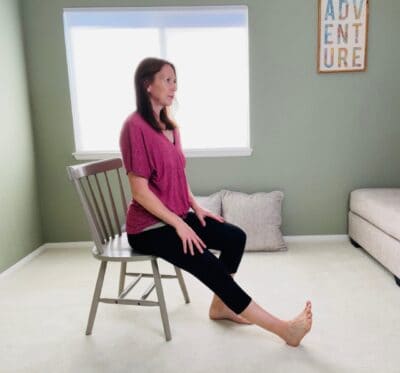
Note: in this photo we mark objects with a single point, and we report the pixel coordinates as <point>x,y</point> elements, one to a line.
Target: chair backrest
<point>100,198</point>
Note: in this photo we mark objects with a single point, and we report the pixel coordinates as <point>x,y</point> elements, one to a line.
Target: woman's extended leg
<point>231,240</point>
<point>291,331</point>
<point>165,243</point>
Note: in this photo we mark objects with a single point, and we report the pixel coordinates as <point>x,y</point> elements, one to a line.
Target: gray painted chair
<point>105,208</point>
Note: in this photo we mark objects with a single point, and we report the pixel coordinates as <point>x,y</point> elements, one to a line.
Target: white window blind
<point>207,45</point>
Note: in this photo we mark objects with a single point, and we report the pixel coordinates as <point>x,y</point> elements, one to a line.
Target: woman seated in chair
<point>159,220</point>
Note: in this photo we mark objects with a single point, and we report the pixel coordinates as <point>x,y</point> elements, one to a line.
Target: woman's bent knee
<point>239,238</point>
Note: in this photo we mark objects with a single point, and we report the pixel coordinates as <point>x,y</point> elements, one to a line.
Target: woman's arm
<point>142,194</point>
<point>200,212</point>
<point>193,203</point>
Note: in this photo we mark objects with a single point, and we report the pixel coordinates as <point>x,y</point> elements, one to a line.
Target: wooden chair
<point>94,183</point>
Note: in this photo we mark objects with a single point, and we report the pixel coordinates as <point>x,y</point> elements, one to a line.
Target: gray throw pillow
<point>259,215</point>
<point>211,202</point>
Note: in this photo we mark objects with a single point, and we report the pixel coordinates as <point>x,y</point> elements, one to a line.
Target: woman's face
<point>162,89</point>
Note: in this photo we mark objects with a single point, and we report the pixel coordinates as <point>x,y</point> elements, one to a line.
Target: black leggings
<point>212,271</point>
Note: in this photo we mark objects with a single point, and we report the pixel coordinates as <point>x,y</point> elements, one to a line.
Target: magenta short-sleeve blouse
<point>149,154</point>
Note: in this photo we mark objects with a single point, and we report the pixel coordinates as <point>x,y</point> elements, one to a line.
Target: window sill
<point>216,153</point>
<point>192,153</point>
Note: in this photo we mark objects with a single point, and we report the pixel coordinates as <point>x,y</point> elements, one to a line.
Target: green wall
<point>20,229</point>
<point>314,136</point>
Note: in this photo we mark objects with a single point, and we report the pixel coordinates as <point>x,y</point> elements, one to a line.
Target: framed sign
<point>342,35</point>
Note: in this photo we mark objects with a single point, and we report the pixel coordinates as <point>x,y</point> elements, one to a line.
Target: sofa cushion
<point>379,206</point>
<point>211,203</point>
<point>259,215</point>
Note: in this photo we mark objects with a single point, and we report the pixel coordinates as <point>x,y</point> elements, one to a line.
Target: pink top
<point>149,154</point>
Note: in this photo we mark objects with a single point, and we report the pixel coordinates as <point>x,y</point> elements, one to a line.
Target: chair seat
<point>119,250</point>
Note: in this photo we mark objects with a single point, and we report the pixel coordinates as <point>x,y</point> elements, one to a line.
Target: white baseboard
<point>22,261</point>
<point>69,245</point>
<point>300,238</point>
<point>314,238</point>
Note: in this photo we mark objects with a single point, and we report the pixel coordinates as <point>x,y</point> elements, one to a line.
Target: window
<point>207,45</point>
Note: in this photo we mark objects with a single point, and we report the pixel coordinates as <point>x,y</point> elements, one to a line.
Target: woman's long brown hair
<point>144,76</point>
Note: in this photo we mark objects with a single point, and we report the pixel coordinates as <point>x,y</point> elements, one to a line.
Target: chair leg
<point>96,297</point>
<point>182,284</point>
<point>122,278</point>
<point>161,300</point>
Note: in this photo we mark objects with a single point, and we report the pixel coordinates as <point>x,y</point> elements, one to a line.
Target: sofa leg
<point>397,280</point>
<point>354,243</point>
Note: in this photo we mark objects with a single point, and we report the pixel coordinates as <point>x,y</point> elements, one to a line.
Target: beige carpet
<point>44,308</point>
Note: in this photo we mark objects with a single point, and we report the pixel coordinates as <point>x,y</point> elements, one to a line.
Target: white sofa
<point>374,224</point>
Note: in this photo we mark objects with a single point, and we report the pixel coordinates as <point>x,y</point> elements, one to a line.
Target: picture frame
<point>342,35</point>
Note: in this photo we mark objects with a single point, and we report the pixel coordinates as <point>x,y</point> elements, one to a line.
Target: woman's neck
<point>157,116</point>
<point>156,108</point>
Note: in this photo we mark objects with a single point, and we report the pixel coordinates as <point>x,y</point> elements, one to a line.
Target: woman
<point>159,221</point>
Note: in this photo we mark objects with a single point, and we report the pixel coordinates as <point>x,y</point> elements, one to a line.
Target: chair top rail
<point>91,168</point>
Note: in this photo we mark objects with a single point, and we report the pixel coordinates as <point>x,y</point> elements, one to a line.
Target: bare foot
<point>299,326</point>
<point>224,313</point>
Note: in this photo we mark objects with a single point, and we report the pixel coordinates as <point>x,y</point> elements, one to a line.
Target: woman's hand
<point>203,213</point>
<point>190,239</point>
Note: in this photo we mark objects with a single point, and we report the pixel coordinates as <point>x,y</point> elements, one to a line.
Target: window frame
<point>189,153</point>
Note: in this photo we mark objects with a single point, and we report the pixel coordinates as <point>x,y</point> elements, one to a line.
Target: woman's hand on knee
<point>190,240</point>
<point>203,213</point>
